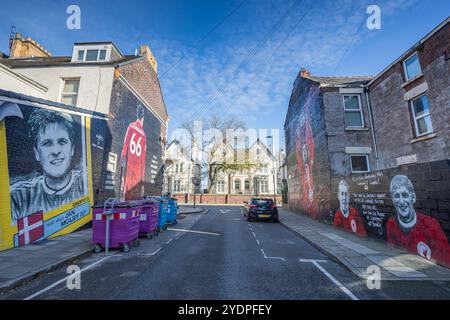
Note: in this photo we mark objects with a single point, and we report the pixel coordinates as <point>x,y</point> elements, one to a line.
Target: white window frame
<point>264,185</point>
<point>71,94</point>
<point>416,118</point>
<point>353,111</point>
<point>405,70</point>
<point>237,189</point>
<point>108,48</point>
<point>220,186</point>
<point>367,160</point>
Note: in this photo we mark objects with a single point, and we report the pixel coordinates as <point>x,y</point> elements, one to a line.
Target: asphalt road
<point>220,255</point>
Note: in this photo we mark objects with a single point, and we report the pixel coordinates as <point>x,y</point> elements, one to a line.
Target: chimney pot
<point>304,73</point>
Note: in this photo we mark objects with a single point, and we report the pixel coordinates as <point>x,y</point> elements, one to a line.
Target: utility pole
<point>273,169</point>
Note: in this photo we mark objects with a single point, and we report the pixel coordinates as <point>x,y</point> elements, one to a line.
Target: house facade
<point>371,154</point>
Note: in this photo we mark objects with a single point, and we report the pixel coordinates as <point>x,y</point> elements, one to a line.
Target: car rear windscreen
<point>263,202</point>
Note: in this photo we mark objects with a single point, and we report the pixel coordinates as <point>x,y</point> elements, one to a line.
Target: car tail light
<point>252,206</point>
<point>273,206</point>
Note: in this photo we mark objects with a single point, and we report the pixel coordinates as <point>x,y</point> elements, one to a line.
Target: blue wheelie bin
<point>172,211</point>
<point>162,214</point>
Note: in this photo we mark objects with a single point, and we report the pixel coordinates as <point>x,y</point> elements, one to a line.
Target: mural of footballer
<point>347,217</point>
<point>133,159</point>
<point>412,230</point>
<point>304,147</point>
<point>52,135</point>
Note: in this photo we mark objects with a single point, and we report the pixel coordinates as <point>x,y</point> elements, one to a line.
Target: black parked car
<point>261,209</point>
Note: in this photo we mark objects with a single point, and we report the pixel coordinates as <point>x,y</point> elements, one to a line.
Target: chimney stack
<point>22,47</point>
<point>144,50</point>
<point>304,73</point>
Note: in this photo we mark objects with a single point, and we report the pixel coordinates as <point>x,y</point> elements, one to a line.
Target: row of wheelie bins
<point>123,222</point>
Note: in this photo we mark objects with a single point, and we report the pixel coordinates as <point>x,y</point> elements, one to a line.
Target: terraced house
<point>372,154</point>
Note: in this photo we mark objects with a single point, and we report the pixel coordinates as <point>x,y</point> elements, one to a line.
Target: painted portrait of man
<point>415,231</point>
<point>59,182</point>
<point>133,158</point>
<point>348,217</point>
<point>304,148</point>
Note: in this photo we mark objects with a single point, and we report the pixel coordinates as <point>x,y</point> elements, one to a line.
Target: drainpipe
<point>374,139</point>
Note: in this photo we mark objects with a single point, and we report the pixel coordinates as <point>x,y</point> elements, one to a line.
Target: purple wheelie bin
<point>123,225</point>
<point>148,226</point>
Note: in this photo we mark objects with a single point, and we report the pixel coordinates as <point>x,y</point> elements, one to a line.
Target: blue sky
<point>236,57</point>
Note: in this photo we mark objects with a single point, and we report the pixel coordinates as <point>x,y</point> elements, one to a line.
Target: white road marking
<point>224,211</point>
<point>65,279</point>
<point>254,234</point>
<point>192,231</point>
<point>150,254</point>
<point>258,242</point>
<point>329,276</point>
<point>274,258</point>
<point>170,240</point>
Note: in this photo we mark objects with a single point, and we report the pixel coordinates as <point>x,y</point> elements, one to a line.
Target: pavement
<point>23,264</point>
<point>220,255</point>
<point>358,254</point>
<point>186,209</point>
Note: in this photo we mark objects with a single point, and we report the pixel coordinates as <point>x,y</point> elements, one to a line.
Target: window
<point>102,55</point>
<point>221,186</point>
<point>177,168</point>
<point>353,111</point>
<point>177,186</point>
<point>421,115</point>
<point>412,67</point>
<point>264,186</point>
<point>181,167</point>
<point>92,55</point>
<point>247,185</point>
<point>359,163</point>
<point>237,185</point>
<point>70,91</point>
<point>80,55</point>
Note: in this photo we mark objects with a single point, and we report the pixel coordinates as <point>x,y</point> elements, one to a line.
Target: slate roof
<point>57,61</point>
<point>341,81</point>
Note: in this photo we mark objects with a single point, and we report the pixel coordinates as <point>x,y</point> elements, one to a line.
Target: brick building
<point>109,111</point>
<point>354,142</point>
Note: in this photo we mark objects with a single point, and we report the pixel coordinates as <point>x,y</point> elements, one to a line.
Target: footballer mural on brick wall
<point>133,158</point>
<point>413,230</point>
<point>48,174</point>
<point>133,147</point>
<point>305,150</point>
<point>348,217</point>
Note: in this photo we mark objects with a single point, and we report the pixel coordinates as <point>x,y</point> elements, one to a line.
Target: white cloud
<point>233,78</point>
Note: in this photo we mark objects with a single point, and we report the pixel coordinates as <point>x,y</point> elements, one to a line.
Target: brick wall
<point>218,199</point>
<point>392,113</point>
<point>300,117</point>
<point>123,112</point>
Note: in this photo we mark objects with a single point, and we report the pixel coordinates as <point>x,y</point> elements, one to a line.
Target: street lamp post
<point>273,169</point>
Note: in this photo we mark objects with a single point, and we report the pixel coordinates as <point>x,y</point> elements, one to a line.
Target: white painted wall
<point>12,81</point>
<point>95,83</point>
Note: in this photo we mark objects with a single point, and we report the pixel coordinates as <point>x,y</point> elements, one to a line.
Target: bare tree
<point>218,154</point>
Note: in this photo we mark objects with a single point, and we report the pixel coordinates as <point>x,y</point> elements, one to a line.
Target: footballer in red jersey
<point>412,230</point>
<point>133,159</point>
<point>304,147</point>
<point>347,217</point>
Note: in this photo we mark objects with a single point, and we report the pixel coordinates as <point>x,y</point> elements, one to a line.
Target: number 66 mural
<point>133,158</point>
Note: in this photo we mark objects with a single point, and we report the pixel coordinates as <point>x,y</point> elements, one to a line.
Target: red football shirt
<point>133,161</point>
<point>426,238</point>
<point>353,223</point>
